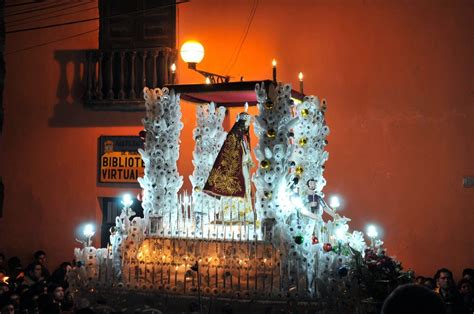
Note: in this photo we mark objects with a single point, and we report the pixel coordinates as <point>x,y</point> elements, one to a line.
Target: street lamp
<point>372,234</point>
<point>334,202</point>
<point>192,52</point>
<point>89,233</point>
<point>127,200</point>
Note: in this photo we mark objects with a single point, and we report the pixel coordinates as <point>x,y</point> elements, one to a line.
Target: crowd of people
<point>439,294</point>
<point>33,289</point>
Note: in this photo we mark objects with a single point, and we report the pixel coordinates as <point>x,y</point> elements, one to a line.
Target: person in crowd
<point>15,300</point>
<point>419,280</point>
<point>15,270</point>
<point>446,289</point>
<point>59,276</point>
<point>55,299</point>
<point>466,291</point>
<point>40,295</point>
<point>468,273</point>
<point>40,257</point>
<point>413,299</point>
<point>429,283</point>
<point>27,299</point>
<point>34,274</point>
<point>4,288</point>
<point>7,308</point>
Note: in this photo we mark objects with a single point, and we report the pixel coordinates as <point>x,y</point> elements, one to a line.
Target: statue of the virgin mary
<point>229,179</point>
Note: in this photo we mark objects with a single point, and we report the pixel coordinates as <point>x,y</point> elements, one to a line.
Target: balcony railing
<point>115,78</point>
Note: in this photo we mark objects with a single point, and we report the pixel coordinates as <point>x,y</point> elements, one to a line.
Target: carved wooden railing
<point>115,78</point>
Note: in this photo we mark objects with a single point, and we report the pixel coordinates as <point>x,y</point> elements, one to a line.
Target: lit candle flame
<point>300,76</point>
<point>208,80</point>
<point>274,63</point>
<point>173,68</point>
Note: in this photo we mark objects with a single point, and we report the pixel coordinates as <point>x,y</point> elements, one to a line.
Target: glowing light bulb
<point>334,202</point>
<point>372,231</point>
<point>89,230</point>
<point>173,68</point>
<point>127,200</point>
<point>192,51</point>
<point>208,80</point>
<point>300,76</point>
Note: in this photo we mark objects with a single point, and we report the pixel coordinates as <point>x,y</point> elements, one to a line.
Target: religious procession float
<point>269,235</point>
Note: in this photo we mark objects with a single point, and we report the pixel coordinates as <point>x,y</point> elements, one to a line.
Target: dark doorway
<point>111,208</point>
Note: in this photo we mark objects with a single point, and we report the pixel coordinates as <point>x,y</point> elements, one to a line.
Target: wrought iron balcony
<point>115,78</point>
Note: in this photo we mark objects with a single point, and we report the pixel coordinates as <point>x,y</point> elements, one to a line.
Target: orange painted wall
<point>398,77</point>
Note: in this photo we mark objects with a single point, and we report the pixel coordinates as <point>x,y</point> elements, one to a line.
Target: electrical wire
<point>38,9</point>
<point>94,19</point>
<point>50,26</point>
<point>236,52</point>
<point>52,41</point>
<point>177,27</point>
<point>244,36</point>
<point>239,41</point>
<point>28,19</point>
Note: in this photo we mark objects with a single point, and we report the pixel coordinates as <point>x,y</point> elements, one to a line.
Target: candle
<point>176,275</point>
<point>208,219</point>
<point>297,275</point>
<point>239,207</point>
<point>231,224</point>
<point>173,72</point>
<point>106,267</point>
<point>280,271</point>
<point>184,277</point>
<point>177,220</point>
<point>272,266</point>
<point>238,278</point>
<point>264,271</point>
<point>185,213</point>
<point>274,64</point>
<point>153,275</point>
<point>130,268</point>
<point>248,279</point>
<point>208,274</point>
<point>144,272</point>
<point>245,224</point>
<point>256,269</point>
<point>169,274</point>
<point>161,274</point>
<point>170,226</point>
<point>300,77</point>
